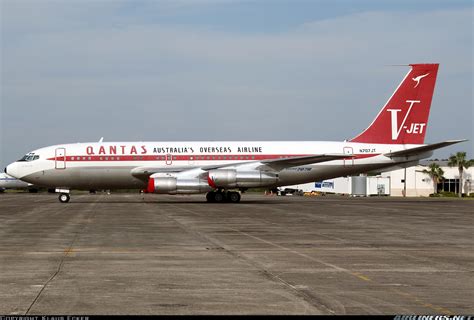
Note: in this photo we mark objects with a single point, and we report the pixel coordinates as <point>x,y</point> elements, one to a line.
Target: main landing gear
<point>223,196</point>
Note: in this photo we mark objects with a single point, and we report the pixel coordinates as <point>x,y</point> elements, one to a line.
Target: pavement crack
<point>67,251</point>
<point>300,294</point>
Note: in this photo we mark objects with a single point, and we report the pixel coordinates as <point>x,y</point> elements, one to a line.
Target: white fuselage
<point>106,165</point>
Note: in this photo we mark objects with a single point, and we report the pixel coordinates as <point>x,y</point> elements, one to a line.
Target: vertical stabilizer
<point>404,118</point>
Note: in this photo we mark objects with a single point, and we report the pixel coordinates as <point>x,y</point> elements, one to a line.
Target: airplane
<point>9,182</point>
<point>225,169</point>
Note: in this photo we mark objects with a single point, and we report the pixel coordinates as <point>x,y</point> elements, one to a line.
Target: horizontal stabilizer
<point>422,149</point>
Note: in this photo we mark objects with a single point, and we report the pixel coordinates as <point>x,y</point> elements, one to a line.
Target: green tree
<point>436,175</point>
<point>459,160</point>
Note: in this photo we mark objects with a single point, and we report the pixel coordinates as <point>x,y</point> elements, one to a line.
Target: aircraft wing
<point>279,164</point>
<point>275,164</point>
<point>145,172</point>
<point>283,163</point>
<point>422,149</point>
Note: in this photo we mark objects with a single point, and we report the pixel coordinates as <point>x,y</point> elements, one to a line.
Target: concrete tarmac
<point>135,254</point>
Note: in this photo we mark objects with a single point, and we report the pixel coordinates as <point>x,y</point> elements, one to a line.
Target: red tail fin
<point>404,118</point>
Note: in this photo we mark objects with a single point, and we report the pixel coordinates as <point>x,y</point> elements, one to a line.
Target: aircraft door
<point>349,161</point>
<point>60,158</point>
<point>169,159</point>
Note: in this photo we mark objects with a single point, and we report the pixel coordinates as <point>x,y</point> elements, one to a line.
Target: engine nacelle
<point>231,178</point>
<point>172,185</point>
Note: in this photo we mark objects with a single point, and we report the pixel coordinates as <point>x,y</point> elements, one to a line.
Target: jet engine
<point>231,178</point>
<point>172,185</point>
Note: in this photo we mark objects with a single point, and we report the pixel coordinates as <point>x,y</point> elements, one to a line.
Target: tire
<point>218,197</point>
<point>64,198</point>
<point>210,196</point>
<point>233,197</point>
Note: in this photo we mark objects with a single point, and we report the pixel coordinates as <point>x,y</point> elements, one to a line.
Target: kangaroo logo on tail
<point>418,79</point>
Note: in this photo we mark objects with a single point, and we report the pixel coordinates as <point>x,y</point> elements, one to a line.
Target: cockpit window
<point>29,157</point>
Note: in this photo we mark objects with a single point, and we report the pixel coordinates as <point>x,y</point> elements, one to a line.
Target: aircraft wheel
<point>64,197</point>
<point>210,196</point>
<point>218,197</point>
<point>233,197</point>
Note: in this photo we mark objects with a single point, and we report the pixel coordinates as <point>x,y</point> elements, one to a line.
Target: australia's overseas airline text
<point>143,149</point>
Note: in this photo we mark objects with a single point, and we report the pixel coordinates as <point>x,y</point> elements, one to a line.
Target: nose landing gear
<point>64,197</point>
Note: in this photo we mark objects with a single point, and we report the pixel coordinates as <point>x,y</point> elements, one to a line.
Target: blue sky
<point>74,71</point>
<point>270,16</point>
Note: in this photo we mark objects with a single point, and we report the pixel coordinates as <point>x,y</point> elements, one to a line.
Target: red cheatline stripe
<point>192,157</point>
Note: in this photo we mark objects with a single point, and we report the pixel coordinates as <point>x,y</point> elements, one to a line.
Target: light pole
<point>404,182</point>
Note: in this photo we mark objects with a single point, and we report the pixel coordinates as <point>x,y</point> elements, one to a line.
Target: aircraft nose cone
<point>11,170</point>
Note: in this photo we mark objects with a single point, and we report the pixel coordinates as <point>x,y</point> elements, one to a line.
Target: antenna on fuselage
<point>101,139</point>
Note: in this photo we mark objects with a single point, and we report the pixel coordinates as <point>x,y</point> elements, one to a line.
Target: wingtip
<point>457,140</point>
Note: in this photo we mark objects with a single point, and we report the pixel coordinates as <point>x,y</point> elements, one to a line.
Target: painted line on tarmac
<point>358,275</point>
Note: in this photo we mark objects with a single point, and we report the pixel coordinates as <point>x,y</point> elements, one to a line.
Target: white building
<point>418,184</point>
<point>358,185</point>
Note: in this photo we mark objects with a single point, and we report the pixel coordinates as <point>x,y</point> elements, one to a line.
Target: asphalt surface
<point>133,254</point>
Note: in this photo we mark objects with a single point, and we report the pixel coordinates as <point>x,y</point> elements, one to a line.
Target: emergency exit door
<point>349,161</point>
<point>60,158</point>
<point>169,159</point>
